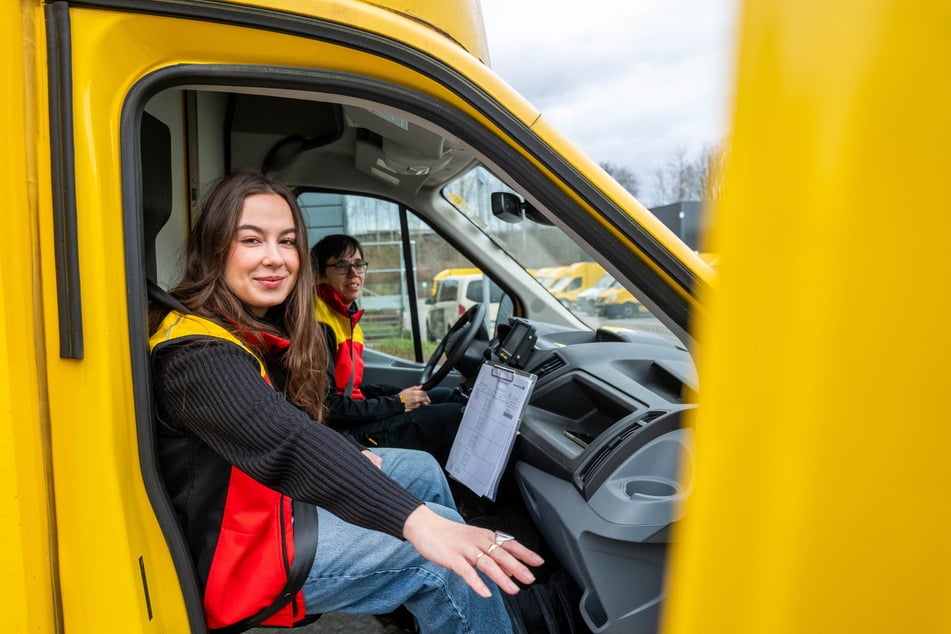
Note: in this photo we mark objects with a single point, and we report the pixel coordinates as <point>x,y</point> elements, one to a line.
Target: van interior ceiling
<point>279,134</point>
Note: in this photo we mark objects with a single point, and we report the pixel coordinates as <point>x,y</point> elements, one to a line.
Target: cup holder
<point>645,488</point>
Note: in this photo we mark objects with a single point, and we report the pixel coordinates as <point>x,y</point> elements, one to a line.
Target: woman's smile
<point>271,281</point>
<point>263,263</point>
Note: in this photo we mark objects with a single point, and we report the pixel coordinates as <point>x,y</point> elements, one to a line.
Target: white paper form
<point>488,428</point>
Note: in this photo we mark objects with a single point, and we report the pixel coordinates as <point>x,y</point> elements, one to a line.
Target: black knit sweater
<point>210,393</point>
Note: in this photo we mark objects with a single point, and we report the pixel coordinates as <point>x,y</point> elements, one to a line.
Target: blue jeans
<point>367,572</point>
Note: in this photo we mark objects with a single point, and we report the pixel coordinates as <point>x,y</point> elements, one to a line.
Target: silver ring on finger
<point>501,538</point>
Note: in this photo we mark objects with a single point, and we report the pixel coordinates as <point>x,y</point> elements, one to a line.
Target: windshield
<point>558,264</point>
<point>420,282</point>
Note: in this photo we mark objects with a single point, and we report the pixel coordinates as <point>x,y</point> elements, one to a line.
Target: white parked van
<point>455,295</point>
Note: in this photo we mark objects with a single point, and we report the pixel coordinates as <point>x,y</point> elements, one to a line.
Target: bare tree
<point>677,180</point>
<point>712,159</point>
<point>625,177</point>
<point>683,178</point>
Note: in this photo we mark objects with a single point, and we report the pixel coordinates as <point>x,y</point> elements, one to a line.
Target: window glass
<point>448,290</point>
<point>405,295</point>
<point>475,291</point>
<point>566,270</point>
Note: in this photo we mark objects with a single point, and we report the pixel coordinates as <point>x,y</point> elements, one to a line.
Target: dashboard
<point>603,458</point>
<point>596,392</point>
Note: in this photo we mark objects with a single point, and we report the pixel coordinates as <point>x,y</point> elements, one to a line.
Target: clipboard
<point>488,428</point>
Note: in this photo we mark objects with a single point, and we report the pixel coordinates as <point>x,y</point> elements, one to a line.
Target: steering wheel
<point>453,345</point>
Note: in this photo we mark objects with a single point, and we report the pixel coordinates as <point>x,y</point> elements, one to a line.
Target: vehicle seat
<point>156,177</point>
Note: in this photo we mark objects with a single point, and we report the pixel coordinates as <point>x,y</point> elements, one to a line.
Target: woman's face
<point>263,263</point>
<point>348,283</point>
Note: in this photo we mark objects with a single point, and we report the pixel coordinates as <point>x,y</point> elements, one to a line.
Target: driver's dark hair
<point>333,246</point>
<point>205,292</point>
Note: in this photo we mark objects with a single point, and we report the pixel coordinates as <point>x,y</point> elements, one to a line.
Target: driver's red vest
<point>344,325</point>
<point>254,568</point>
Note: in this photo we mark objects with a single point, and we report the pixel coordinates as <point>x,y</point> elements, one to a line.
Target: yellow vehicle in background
<point>548,275</point>
<point>575,278</point>
<point>438,277</point>
<point>457,294</point>
<point>586,298</point>
<point>616,302</point>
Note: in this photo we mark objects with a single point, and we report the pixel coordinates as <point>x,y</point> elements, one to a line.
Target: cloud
<point>631,82</point>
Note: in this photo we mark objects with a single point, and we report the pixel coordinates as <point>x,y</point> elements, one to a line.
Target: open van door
<point>822,432</point>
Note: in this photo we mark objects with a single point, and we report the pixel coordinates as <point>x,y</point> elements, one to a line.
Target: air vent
<point>651,415</point>
<point>598,459</point>
<point>549,365</point>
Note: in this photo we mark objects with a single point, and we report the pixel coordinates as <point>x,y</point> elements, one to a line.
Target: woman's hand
<point>463,548</point>
<point>414,397</point>
<point>372,457</point>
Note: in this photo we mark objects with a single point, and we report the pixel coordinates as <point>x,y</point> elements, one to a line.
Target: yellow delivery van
<point>574,279</point>
<point>388,123</point>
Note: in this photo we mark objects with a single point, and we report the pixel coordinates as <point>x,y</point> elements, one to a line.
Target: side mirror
<point>431,299</point>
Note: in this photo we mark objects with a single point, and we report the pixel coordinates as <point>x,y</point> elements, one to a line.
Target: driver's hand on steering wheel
<point>414,397</point>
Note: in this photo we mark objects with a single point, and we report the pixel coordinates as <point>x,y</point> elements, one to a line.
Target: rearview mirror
<point>506,207</point>
<point>510,208</point>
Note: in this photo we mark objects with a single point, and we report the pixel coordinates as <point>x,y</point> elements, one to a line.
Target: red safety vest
<point>263,551</point>
<point>345,326</point>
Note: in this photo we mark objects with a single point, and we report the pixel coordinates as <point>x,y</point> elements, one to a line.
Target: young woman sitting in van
<point>376,415</point>
<point>258,484</point>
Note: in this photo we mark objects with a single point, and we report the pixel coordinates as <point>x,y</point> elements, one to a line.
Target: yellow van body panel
<point>822,455</point>
<point>460,20</point>
<point>457,21</point>
<point>27,537</point>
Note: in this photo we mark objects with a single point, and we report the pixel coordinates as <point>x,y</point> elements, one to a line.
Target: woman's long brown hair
<point>203,290</point>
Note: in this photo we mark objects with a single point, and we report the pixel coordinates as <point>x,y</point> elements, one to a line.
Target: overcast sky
<point>631,82</point>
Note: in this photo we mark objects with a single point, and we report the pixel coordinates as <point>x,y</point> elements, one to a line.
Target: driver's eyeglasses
<point>343,267</point>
